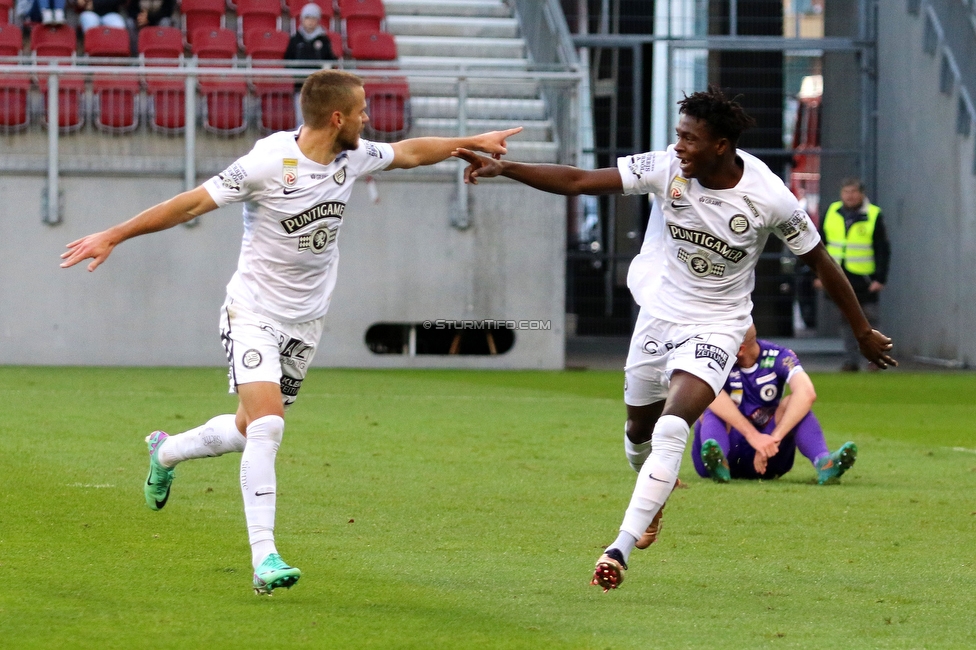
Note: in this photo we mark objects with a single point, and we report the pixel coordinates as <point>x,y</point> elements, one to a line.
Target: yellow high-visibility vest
<point>853,249</point>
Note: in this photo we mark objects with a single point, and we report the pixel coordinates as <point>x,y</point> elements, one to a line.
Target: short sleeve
<point>370,156</point>
<point>787,364</point>
<point>793,225</point>
<point>645,173</point>
<point>242,181</point>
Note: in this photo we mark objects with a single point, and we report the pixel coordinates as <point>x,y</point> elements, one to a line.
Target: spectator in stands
<point>95,13</point>
<point>148,13</point>
<point>49,12</point>
<point>310,42</point>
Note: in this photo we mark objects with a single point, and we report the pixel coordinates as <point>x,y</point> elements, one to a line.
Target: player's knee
<point>268,427</point>
<point>640,429</point>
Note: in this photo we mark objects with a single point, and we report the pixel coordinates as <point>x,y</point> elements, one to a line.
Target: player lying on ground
<point>752,431</point>
<point>693,281</point>
<point>294,186</point>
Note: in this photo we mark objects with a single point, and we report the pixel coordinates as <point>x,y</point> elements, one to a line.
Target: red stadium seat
<point>388,106</point>
<point>375,46</point>
<point>199,15</point>
<point>53,40</point>
<point>275,94</point>
<point>256,14</point>
<point>14,88</point>
<point>114,97</point>
<point>165,96</point>
<point>60,41</point>
<point>107,41</point>
<point>361,15</point>
<point>223,98</point>
<point>6,12</point>
<point>161,43</point>
<point>266,44</point>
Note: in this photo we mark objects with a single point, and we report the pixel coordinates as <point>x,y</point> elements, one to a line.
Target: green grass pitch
<point>466,509</point>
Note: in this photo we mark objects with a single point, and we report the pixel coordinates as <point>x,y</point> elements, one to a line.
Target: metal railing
<point>446,101</point>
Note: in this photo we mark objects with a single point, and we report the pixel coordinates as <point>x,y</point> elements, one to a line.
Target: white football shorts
<point>260,348</point>
<point>660,347</point>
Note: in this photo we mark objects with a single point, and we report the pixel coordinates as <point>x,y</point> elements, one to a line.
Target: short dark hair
<point>725,117</point>
<point>852,181</point>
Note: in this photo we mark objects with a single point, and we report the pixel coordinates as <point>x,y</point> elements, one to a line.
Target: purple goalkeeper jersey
<point>758,390</point>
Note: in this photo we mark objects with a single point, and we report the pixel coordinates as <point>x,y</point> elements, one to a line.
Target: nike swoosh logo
<point>710,365</point>
<point>679,206</point>
<point>659,480</point>
<point>291,191</point>
<point>261,494</point>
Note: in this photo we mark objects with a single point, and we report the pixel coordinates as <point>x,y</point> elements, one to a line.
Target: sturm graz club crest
<point>340,176</point>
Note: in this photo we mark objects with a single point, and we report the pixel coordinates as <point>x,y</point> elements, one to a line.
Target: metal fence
<point>123,117</point>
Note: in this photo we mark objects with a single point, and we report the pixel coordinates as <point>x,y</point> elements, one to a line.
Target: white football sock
<point>624,543</point>
<point>215,438</point>
<point>258,484</point>
<point>636,453</point>
<point>658,475</point>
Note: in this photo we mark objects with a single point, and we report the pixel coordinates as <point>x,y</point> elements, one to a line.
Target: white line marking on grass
<point>96,486</point>
<point>968,451</point>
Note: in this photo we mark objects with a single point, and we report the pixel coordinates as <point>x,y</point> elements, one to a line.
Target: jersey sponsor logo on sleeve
<point>678,187</point>
<point>232,177</point>
<point>340,176</point>
<point>641,164</point>
<point>372,150</point>
<point>289,172</point>
<point>739,224</point>
<point>709,351</point>
<point>707,240</point>
<point>789,360</point>
<point>321,211</point>
<point>797,224</point>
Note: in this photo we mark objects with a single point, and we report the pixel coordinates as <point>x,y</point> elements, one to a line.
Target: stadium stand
<point>361,16</point>
<point>294,8</point>
<point>197,15</point>
<point>372,46</point>
<point>6,12</point>
<point>14,88</point>
<point>115,98</point>
<point>256,14</point>
<point>275,96</point>
<point>224,99</point>
<point>60,41</point>
<point>165,96</point>
<point>455,33</point>
<point>388,105</point>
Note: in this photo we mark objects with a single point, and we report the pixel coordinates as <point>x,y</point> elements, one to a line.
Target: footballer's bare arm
<point>556,179</point>
<point>179,209</point>
<point>874,345</point>
<point>428,151</point>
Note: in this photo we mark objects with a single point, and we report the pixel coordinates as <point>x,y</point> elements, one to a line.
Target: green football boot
<point>273,574</point>
<point>160,478</point>
<point>715,462</point>
<point>832,467</point>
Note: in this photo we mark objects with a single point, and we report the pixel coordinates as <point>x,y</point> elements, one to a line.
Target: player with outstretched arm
<point>295,186</point>
<point>693,280</point>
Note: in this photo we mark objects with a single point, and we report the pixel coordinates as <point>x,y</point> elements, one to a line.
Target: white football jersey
<point>697,264</point>
<point>293,208</point>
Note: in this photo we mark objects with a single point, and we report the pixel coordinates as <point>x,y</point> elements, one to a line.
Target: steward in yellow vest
<point>854,233</point>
